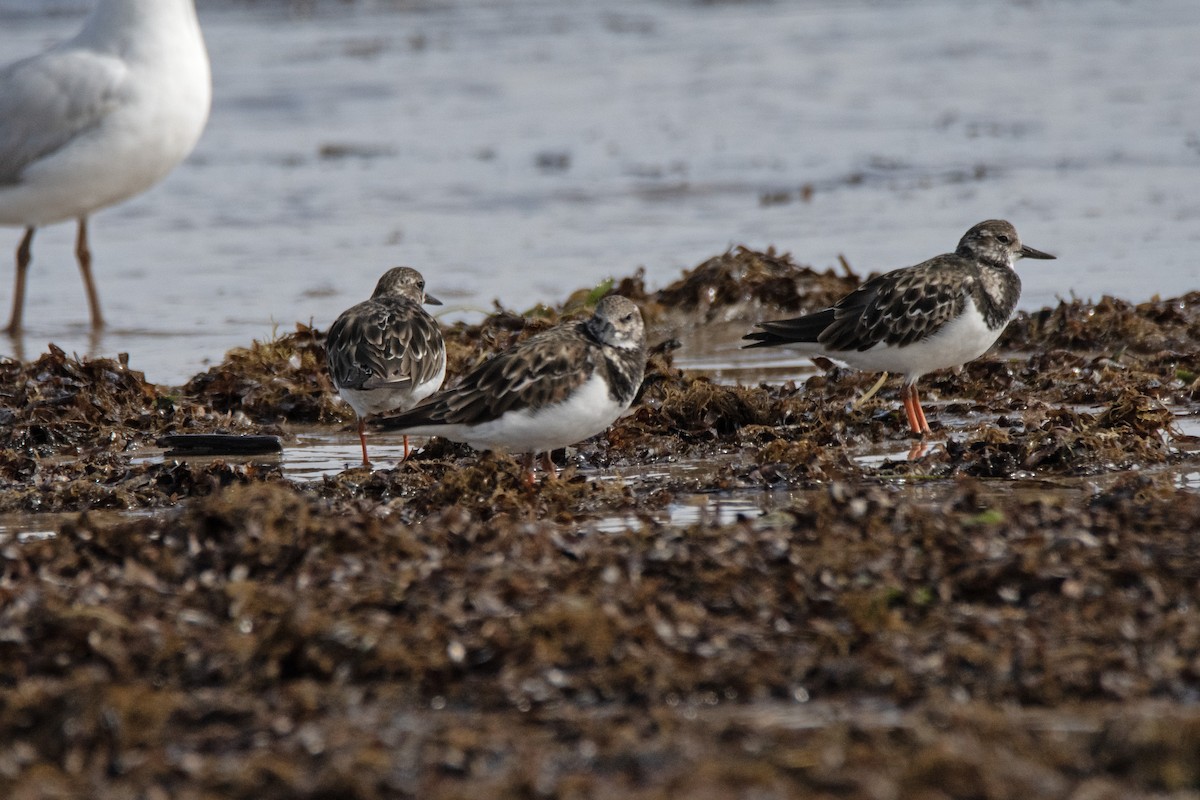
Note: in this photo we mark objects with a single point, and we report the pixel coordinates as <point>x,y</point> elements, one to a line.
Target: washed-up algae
<point>489,486</point>
<point>1007,612</point>
<point>262,641</point>
<point>280,379</point>
<point>1110,323</point>
<point>739,277</point>
<point>59,403</point>
<point>1083,357</point>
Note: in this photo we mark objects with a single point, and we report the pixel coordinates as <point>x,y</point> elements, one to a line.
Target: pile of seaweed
<point>1079,389</point>
<point>1110,325</point>
<point>282,379</point>
<point>862,643</point>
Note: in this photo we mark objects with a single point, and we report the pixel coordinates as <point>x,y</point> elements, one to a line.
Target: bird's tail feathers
<point>797,331</point>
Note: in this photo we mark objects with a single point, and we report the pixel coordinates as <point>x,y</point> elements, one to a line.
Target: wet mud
<point>1007,610</point>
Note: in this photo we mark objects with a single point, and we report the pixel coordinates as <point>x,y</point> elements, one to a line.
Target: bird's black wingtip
<point>760,339</point>
<point>389,423</point>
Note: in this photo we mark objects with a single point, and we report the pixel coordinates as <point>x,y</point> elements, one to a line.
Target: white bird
<point>98,119</point>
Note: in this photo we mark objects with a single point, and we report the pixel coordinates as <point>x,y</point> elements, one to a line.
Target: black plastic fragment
<point>219,444</point>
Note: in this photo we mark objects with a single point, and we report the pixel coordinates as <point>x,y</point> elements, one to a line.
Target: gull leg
<point>85,268</point>
<point>870,392</point>
<point>362,437</point>
<point>23,259</point>
<point>548,466</point>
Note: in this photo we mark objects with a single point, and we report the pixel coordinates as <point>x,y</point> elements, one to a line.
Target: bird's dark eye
<point>1004,238</point>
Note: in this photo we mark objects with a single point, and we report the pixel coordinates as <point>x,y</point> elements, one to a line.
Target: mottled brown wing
<point>540,371</point>
<point>384,343</point>
<point>900,307</point>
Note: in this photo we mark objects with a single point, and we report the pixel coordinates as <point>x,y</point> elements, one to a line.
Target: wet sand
<point>1009,613</point>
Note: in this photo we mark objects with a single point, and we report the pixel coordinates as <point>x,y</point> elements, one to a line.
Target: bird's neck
<point>625,367</point>
<point>999,291</point>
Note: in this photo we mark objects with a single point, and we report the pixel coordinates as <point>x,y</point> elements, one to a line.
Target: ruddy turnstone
<point>98,119</point>
<point>552,390</point>
<point>940,313</point>
<point>387,353</point>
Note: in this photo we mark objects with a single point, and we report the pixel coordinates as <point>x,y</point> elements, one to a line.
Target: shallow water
<point>315,454</point>
<point>21,528</point>
<point>521,149</point>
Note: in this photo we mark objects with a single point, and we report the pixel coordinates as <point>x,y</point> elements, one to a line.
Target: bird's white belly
<point>961,340</point>
<point>366,402</point>
<point>587,412</point>
<point>96,170</point>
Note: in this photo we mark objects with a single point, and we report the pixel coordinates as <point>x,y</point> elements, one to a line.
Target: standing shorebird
<point>387,353</point>
<point>554,389</point>
<point>98,119</point>
<point>940,313</point>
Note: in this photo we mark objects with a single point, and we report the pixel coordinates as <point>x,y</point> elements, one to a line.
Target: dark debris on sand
<point>1011,613</point>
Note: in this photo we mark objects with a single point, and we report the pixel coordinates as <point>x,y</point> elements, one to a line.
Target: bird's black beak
<point>1029,252</point>
<point>430,300</point>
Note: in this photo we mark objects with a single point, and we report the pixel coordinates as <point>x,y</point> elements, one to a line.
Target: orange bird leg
<point>548,465</point>
<point>914,422</point>
<point>920,412</point>
<point>362,437</point>
<point>406,447</point>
